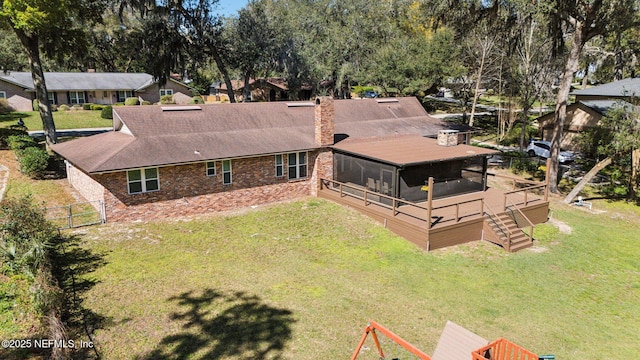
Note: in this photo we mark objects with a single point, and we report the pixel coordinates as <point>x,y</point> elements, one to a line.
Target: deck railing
<point>368,197</point>
<point>503,349</point>
<point>522,215</point>
<point>501,226</point>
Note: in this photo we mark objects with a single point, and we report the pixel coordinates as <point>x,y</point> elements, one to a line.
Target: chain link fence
<point>77,215</point>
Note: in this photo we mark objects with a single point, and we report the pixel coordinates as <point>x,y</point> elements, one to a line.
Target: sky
<point>231,7</point>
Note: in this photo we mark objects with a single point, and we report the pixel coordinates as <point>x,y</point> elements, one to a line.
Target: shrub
<point>132,101</point>
<point>5,108</point>
<point>19,142</point>
<point>77,107</point>
<point>197,100</point>
<point>64,107</point>
<point>118,104</point>
<point>33,161</point>
<point>107,112</point>
<point>35,106</point>
<point>97,107</point>
<point>167,99</point>
<point>5,133</point>
<point>87,106</point>
<point>145,102</point>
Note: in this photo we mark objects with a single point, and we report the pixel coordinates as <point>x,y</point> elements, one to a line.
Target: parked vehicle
<point>542,148</point>
<point>370,94</point>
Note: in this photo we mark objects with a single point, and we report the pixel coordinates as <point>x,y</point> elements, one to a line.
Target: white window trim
<point>51,96</point>
<point>3,94</point>
<point>207,168</point>
<point>77,98</point>
<point>143,180</point>
<point>298,165</point>
<point>164,92</point>
<point>281,165</point>
<point>230,172</point>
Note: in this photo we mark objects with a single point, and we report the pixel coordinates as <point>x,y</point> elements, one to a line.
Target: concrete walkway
<point>4,179</point>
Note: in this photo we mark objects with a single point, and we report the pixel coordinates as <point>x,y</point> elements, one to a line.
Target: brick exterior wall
<point>90,189</point>
<point>152,93</point>
<point>18,99</point>
<point>187,190</point>
<point>324,120</point>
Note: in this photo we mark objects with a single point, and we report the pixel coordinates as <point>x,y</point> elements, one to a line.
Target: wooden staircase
<point>501,229</point>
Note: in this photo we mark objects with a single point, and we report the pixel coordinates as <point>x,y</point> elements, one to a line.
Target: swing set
<point>455,342</point>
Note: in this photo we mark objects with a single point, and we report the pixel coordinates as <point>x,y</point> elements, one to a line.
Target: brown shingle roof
<point>219,131</point>
<point>408,150</point>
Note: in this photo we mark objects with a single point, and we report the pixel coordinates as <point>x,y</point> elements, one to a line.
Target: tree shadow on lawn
<point>218,324</point>
<point>72,264</point>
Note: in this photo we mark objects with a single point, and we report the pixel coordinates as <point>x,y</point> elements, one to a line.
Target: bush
<point>197,100</point>
<point>97,107</point>
<point>20,142</point>
<point>87,106</point>
<point>6,132</point>
<point>64,107</point>
<point>107,112</point>
<point>35,106</point>
<point>167,99</point>
<point>77,107</point>
<point>145,102</point>
<point>132,101</point>
<point>4,106</point>
<point>33,161</point>
<point>118,104</point>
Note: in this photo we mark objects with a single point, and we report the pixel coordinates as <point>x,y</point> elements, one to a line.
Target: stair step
<point>520,246</point>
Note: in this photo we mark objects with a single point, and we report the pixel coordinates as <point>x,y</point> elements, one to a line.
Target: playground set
<point>456,343</point>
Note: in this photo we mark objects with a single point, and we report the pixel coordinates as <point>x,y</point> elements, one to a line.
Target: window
<point>211,168</point>
<point>226,172</point>
<point>297,165</point>
<point>3,95</point>
<point>123,95</point>
<point>143,180</point>
<point>164,92</point>
<point>52,98</point>
<point>279,166</point>
<point>76,97</point>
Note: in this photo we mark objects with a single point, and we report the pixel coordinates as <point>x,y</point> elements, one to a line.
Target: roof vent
<point>300,104</point>
<point>385,101</point>
<point>180,108</point>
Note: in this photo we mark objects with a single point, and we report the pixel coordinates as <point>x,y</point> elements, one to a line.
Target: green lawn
<point>71,119</point>
<point>301,280</point>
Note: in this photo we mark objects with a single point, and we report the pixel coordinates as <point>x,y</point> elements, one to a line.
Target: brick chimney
<point>448,137</point>
<point>324,121</point>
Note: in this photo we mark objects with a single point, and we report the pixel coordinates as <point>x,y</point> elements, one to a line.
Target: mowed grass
<point>301,280</point>
<point>72,119</point>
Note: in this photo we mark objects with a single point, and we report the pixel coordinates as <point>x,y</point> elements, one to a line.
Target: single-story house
<point>166,161</point>
<point>590,106</point>
<point>87,87</point>
<point>179,160</point>
<point>262,89</point>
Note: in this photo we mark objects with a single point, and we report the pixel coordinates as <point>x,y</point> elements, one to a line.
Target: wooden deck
<point>454,220</point>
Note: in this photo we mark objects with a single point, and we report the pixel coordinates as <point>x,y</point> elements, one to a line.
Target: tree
<point>254,47</point>
<point>52,26</point>
<point>580,21</point>
<point>11,54</point>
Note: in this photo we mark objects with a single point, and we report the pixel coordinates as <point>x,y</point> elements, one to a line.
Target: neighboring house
<point>262,89</point>
<point>89,87</point>
<point>166,161</point>
<point>581,115</point>
<point>590,106</point>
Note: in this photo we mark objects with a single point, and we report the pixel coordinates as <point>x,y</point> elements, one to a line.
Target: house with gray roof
<point>88,87</point>
<point>618,90</point>
<point>590,106</point>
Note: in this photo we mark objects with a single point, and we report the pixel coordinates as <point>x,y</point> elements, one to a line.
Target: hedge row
<point>32,159</point>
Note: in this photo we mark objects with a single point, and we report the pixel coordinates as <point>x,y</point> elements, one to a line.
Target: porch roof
<point>408,150</point>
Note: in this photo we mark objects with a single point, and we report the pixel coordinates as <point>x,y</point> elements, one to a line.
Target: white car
<point>542,148</point>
